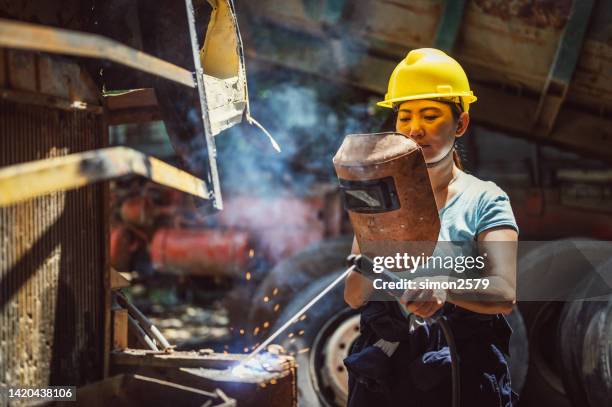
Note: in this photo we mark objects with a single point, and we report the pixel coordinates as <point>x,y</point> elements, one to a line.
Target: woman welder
<point>431,95</point>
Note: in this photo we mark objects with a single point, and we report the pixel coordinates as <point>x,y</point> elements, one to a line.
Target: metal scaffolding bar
<point>35,37</point>
<point>24,181</point>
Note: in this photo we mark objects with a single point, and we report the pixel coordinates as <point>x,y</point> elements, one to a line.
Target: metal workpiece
<point>21,182</point>
<point>272,382</point>
<point>143,338</point>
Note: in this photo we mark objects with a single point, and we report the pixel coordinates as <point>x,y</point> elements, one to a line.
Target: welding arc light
<point>369,196</point>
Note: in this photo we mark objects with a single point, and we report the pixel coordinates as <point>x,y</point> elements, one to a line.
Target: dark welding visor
<point>371,196</point>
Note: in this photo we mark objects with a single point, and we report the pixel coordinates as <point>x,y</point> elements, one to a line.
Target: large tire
<point>544,385</point>
<point>328,331</point>
<point>290,277</point>
<point>585,338</point>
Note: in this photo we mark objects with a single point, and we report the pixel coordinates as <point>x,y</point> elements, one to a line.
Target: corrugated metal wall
<point>52,256</point>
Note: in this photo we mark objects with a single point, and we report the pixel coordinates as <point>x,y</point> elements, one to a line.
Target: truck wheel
<point>538,268</point>
<point>321,340</point>
<point>584,337</point>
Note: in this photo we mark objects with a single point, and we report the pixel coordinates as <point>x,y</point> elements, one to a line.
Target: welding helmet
<point>428,73</point>
<point>386,191</point>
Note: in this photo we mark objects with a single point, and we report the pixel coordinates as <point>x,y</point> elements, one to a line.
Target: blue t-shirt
<point>478,206</point>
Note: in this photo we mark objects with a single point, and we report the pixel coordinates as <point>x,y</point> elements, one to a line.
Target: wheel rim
<point>331,346</point>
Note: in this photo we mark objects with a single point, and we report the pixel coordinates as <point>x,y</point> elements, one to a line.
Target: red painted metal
<point>124,242</point>
<point>200,252</point>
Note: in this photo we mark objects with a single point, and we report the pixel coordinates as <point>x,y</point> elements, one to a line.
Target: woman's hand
<point>423,302</point>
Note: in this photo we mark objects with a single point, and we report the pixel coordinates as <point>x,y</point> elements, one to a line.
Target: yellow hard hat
<point>428,73</point>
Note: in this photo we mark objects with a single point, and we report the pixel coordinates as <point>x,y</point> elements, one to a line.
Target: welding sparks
<point>251,253</point>
<point>275,291</point>
<point>241,331</point>
<point>261,364</point>
<point>301,332</point>
<point>303,350</point>
<point>298,315</point>
<point>256,330</point>
<point>248,275</point>
<point>266,298</point>
<point>290,335</point>
<point>276,307</point>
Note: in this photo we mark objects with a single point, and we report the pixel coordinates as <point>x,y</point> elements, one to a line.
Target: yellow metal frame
<point>21,182</point>
<point>35,37</point>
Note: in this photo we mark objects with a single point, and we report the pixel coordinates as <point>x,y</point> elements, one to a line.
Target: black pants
<point>419,371</point>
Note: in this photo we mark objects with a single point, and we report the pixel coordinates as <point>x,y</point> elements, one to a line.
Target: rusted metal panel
<point>65,79</point>
<point>513,43</point>
<point>22,68</point>
<point>52,257</point>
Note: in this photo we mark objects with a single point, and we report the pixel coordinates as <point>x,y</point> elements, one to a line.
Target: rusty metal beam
<point>34,37</point>
<point>579,131</point>
<point>448,25</point>
<point>21,182</point>
<point>562,69</point>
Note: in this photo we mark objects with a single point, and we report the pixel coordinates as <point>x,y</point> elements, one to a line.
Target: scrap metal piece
<point>224,74</point>
<point>14,34</point>
<point>143,321</point>
<point>141,335</point>
<point>24,181</point>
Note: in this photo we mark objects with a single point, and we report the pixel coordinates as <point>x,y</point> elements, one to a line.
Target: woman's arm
<point>500,244</point>
<point>357,288</point>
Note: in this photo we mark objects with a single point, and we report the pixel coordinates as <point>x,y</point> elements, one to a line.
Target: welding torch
<point>365,266</point>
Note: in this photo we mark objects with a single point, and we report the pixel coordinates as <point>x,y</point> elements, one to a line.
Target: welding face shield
<point>386,191</point>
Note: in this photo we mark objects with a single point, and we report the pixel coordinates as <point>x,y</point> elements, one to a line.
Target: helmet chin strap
<point>438,162</point>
